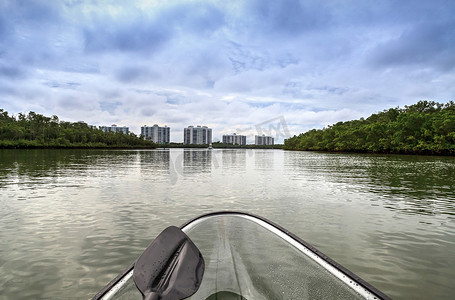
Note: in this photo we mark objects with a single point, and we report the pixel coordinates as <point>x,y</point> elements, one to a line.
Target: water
<point>72,219</point>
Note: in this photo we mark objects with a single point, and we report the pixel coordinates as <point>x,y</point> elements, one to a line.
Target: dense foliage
<point>37,131</point>
<point>426,127</point>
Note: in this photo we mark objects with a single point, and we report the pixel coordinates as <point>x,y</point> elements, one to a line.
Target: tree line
<point>426,127</point>
<point>34,130</point>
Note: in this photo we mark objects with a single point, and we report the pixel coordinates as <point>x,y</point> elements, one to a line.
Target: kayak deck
<point>248,257</point>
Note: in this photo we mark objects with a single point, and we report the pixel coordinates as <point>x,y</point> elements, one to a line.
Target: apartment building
<point>263,140</point>
<point>156,134</point>
<point>200,135</point>
<point>115,128</point>
<point>234,139</point>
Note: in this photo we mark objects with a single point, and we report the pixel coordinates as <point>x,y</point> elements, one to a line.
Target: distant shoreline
<point>204,147</point>
<point>126,147</point>
<point>420,153</point>
<point>77,147</point>
<point>219,146</point>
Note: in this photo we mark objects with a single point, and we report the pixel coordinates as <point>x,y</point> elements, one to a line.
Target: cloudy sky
<point>236,66</point>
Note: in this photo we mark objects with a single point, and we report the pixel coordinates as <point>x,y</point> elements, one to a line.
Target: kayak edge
<point>113,282</point>
<point>377,293</point>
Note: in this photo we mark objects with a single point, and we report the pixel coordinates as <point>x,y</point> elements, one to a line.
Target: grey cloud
<point>18,14</point>
<point>110,93</point>
<point>7,89</point>
<point>80,66</point>
<point>63,85</point>
<point>134,74</point>
<point>201,67</point>
<point>170,97</point>
<point>12,72</point>
<point>142,91</point>
<point>73,102</point>
<point>288,17</point>
<point>331,89</point>
<point>296,90</point>
<point>201,19</point>
<point>36,35</point>
<point>147,111</point>
<point>173,98</point>
<point>184,56</point>
<point>427,44</point>
<point>3,28</point>
<point>179,119</point>
<point>243,59</point>
<point>109,106</point>
<point>135,36</point>
<point>37,11</point>
<point>147,34</point>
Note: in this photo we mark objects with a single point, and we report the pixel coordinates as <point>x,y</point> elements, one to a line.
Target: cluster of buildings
<point>114,128</point>
<point>192,135</point>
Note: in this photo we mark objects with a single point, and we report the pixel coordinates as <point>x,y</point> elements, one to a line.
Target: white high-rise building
<point>200,135</point>
<point>234,139</point>
<point>263,140</point>
<point>156,134</point>
<point>115,128</point>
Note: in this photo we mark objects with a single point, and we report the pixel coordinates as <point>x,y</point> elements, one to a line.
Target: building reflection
<point>234,158</point>
<point>156,160</point>
<point>264,159</point>
<point>53,163</point>
<point>197,161</point>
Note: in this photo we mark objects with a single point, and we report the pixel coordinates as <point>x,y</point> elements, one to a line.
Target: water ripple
<point>71,220</point>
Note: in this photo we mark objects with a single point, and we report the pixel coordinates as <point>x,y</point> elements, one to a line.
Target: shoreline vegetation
<point>38,131</point>
<point>426,127</point>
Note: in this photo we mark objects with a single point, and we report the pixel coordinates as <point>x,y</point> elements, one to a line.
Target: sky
<point>278,67</point>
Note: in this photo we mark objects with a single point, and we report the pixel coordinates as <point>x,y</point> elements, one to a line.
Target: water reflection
<point>411,184</point>
<point>196,161</point>
<point>234,158</point>
<point>156,158</point>
<point>37,166</point>
<point>72,219</point>
<point>264,159</point>
<point>156,163</point>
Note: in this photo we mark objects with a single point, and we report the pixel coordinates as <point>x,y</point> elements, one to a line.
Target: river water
<point>72,219</point>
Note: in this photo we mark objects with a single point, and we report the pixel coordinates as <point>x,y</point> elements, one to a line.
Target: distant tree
<point>36,130</point>
<point>426,127</point>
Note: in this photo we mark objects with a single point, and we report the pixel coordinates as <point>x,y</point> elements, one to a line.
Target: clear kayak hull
<point>249,257</point>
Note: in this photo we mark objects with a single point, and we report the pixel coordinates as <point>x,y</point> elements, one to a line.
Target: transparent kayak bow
<point>250,257</point>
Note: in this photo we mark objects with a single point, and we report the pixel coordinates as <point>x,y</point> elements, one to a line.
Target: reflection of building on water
<point>234,158</point>
<point>264,159</point>
<point>196,160</point>
<point>153,161</point>
<point>156,134</point>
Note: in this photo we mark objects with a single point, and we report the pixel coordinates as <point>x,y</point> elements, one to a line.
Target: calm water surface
<point>72,219</point>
